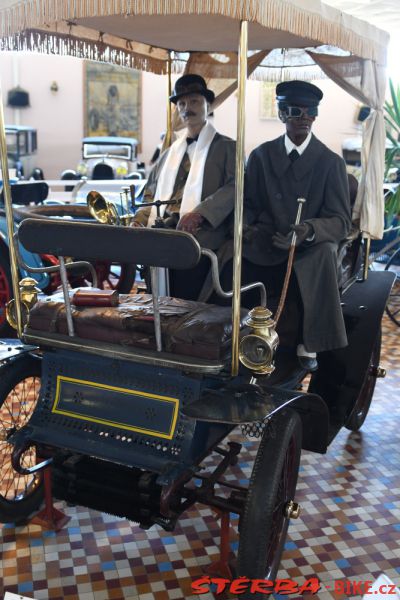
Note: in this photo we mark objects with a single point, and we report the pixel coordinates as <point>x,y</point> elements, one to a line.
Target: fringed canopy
<point>132,32</point>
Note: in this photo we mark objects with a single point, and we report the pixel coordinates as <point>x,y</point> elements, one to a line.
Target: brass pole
<point>366,257</point>
<point>9,218</point>
<point>239,174</point>
<point>168,135</point>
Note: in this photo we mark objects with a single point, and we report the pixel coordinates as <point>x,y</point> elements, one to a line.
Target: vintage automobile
<point>129,401</point>
<point>21,151</point>
<point>31,199</point>
<point>108,157</point>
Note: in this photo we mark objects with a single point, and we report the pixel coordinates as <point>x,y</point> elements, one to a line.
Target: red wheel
<point>5,295</point>
<point>109,276</point>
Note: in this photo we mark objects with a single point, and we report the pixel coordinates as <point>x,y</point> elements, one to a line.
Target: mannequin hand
<point>190,222</point>
<point>302,231</point>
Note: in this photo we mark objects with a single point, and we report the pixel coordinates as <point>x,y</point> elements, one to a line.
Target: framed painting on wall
<point>112,101</point>
<point>267,108</point>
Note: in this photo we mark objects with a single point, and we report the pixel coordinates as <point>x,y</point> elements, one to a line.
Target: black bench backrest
<point>28,192</point>
<point>92,241</point>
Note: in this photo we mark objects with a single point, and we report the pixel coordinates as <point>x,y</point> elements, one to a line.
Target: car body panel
<point>119,153</point>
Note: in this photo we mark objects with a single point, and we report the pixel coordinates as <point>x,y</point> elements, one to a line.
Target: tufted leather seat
<point>188,328</point>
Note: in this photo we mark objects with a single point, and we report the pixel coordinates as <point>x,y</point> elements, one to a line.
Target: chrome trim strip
<point>162,359</point>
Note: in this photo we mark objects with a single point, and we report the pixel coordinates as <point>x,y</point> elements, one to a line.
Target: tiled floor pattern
<point>349,528</point>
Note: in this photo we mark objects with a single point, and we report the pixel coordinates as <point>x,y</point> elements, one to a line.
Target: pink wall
<point>58,116</point>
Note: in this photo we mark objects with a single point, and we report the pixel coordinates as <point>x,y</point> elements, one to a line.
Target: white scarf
<point>194,183</point>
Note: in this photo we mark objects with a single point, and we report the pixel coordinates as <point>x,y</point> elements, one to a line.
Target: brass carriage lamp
<point>257,349</point>
<point>29,295</point>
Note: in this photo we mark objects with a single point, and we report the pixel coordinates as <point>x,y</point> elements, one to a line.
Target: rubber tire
<point>395,317</point>
<point>360,410</point>
<point>257,520</point>
<point>10,375</point>
<point>5,329</point>
<point>127,278</point>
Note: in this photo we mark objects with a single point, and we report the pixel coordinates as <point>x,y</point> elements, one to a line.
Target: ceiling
<point>382,13</point>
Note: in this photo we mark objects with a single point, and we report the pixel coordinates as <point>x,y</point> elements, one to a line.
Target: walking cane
<point>300,202</point>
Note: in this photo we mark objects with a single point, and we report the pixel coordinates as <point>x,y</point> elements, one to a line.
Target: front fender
<point>238,404</point>
<point>12,350</point>
<point>341,373</point>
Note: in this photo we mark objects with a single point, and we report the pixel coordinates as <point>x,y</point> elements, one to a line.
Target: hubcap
<point>14,414</point>
<point>292,510</point>
<point>378,372</point>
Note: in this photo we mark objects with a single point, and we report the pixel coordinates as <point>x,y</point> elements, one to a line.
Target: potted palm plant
<point>392,158</point>
<point>392,175</point>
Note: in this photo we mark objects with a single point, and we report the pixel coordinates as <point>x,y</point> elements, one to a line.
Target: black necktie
<point>293,155</point>
<point>190,140</point>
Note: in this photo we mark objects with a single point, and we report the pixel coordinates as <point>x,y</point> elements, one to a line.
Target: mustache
<point>189,113</point>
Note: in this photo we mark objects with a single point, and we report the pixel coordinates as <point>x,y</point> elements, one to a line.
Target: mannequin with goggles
<point>296,112</point>
<point>297,165</point>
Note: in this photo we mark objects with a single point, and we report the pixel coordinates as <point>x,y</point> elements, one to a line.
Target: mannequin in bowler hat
<point>278,172</point>
<point>198,173</point>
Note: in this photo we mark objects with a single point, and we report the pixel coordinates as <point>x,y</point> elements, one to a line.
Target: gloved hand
<point>302,230</point>
<point>190,222</point>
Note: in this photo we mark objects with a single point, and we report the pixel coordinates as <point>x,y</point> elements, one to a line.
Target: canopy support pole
<point>10,219</point>
<point>168,135</point>
<point>239,175</point>
<point>367,249</point>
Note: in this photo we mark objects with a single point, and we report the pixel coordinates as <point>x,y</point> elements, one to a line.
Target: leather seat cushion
<point>189,328</point>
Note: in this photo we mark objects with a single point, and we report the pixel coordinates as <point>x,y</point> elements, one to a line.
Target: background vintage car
<point>108,157</point>
<point>21,151</point>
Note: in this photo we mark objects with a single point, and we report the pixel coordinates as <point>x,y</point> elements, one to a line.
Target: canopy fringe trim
<point>67,45</point>
<point>332,27</point>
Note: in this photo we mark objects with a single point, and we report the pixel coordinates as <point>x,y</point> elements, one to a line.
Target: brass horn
<point>101,209</point>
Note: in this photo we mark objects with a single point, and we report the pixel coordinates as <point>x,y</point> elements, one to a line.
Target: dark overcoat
<point>273,185</point>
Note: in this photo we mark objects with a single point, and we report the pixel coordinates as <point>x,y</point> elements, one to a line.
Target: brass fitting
<point>257,349</point>
<point>28,291</point>
<point>292,510</point>
<point>29,295</point>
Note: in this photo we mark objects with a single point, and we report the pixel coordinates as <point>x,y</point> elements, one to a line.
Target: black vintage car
<point>116,406</point>
<point>21,151</point>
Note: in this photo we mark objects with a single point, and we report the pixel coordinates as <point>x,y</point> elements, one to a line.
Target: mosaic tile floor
<point>349,528</point>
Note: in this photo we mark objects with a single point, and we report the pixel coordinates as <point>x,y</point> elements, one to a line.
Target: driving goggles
<point>295,112</point>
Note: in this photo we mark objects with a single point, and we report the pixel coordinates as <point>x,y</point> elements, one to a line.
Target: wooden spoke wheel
<point>264,522</point>
<point>361,407</point>
<point>20,495</point>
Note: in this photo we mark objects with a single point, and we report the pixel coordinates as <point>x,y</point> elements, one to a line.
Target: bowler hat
<point>298,93</point>
<point>191,84</point>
